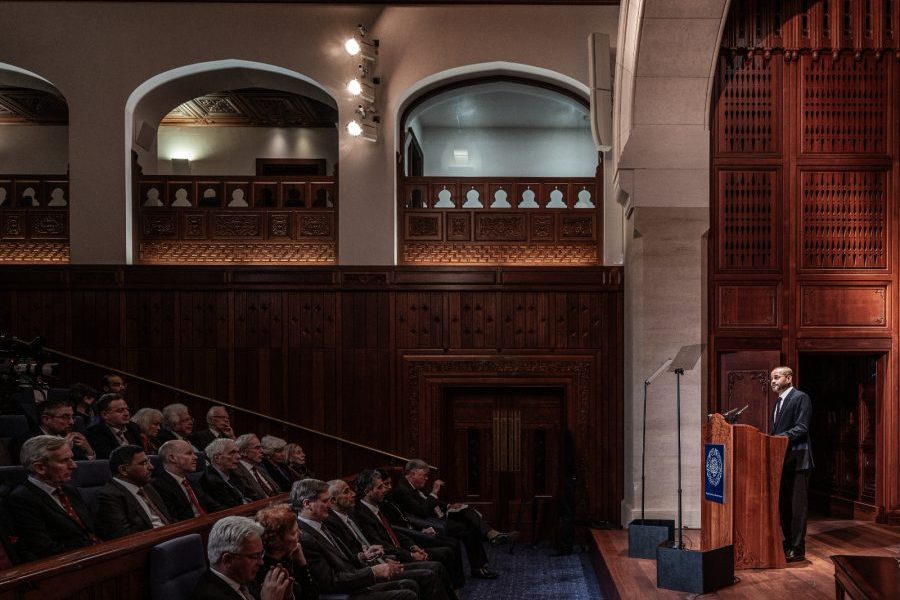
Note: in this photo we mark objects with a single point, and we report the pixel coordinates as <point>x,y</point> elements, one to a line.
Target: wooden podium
<point>748,518</point>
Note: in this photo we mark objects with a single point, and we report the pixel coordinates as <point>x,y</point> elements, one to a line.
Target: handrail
<point>227,405</point>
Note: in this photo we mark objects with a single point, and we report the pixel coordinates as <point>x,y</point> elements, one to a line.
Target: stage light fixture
<point>359,45</point>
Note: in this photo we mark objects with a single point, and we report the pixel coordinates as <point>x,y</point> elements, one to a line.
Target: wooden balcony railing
<point>227,219</point>
<point>501,220</point>
<point>34,218</point>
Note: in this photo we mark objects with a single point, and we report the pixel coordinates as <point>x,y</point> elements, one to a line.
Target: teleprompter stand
<point>693,571</point>
<point>644,535</point>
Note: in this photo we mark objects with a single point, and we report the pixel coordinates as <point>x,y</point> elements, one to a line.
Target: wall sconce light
<point>366,125</point>
<point>359,45</point>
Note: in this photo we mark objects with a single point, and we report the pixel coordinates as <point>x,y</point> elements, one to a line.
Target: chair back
<point>11,476</point>
<point>176,566</point>
<point>90,477</point>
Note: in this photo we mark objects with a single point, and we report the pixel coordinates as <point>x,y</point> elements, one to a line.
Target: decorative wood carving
<point>13,225</point>
<point>34,209</point>
<point>843,306</point>
<point>186,253</point>
<point>577,227</point>
<point>459,227</point>
<point>253,107</point>
<point>160,225</point>
<point>314,226</point>
<point>280,225</point>
<point>423,226</point>
<point>505,254</point>
<point>748,217</point>
<point>748,106</point>
<point>748,305</point>
<point>503,228</point>
<point>195,226</point>
<point>542,227</point>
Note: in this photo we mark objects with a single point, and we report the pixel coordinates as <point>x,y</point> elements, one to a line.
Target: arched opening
<point>499,169</point>
<point>34,180</point>
<point>234,162</point>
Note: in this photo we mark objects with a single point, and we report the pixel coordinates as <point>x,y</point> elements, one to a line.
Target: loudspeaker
<point>644,535</point>
<point>145,136</point>
<point>694,571</point>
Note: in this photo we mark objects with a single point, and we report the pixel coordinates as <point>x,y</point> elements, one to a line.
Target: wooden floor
<point>635,578</point>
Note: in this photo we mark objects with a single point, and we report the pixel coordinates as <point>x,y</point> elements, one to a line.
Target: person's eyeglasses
<point>254,556</point>
<point>64,417</point>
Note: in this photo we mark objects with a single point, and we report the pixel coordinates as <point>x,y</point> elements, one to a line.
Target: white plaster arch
<point>19,77</point>
<point>155,97</point>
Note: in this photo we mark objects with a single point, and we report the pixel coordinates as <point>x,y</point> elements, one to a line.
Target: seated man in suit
<point>56,418</point>
<point>235,552</point>
<point>432,577</point>
<point>273,461</point>
<point>127,504</point>
<point>115,427</point>
<point>218,426</point>
<point>461,522</point>
<point>249,469</point>
<point>49,516</point>
<point>218,480</point>
<point>178,424</point>
<point>335,567</point>
<point>183,500</point>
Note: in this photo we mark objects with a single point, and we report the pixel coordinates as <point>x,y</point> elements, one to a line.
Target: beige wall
<point>38,149</point>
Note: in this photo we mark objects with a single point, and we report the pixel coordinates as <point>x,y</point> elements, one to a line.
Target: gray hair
<point>229,535</point>
<point>306,489</point>
<point>172,413</point>
<point>217,447</point>
<point>169,448</point>
<point>416,464</point>
<point>38,449</point>
<point>243,441</point>
<point>143,417</point>
<point>272,444</point>
<point>212,409</point>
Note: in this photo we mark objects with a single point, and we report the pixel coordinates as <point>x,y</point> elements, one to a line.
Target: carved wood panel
<point>749,105</point>
<point>751,306</point>
<point>843,306</point>
<point>748,217</point>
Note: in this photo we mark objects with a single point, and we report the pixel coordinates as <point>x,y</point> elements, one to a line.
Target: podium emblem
<point>714,488</point>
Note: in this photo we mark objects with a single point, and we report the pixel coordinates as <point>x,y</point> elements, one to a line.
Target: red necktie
<point>266,488</point>
<point>387,526</point>
<point>190,492</point>
<point>70,510</point>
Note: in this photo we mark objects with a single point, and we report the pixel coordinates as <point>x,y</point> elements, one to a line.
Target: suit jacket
<point>177,504</point>
<point>119,513</point>
<point>104,441</point>
<point>793,422</point>
<point>332,568</point>
<point>405,496</point>
<point>374,530</point>
<point>212,587</point>
<point>164,436</point>
<point>226,493</point>
<point>251,486</point>
<point>336,528</point>
<point>202,439</point>
<point>279,474</point>
<point>42,526</point>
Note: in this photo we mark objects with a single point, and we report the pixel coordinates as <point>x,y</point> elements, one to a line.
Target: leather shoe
<point>504,537</point>
<point>484,573</point>
<point>794,555</point>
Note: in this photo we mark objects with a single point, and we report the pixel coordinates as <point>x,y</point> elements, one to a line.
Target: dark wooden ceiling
<point>26,105</point>
<point>254,107</point>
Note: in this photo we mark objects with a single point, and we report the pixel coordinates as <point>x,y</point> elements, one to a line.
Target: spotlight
<point>354,128</point>
<point>352,47</point>
<point>360,88</point>
<point>358,44</point>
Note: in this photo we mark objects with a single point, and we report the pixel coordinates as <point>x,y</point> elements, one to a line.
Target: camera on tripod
<point>24,365</point>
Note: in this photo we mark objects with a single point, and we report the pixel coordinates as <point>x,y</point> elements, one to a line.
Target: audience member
<point>460,521</point>
<point>114,428</point>
<point>83,397</point>
<point>113,384</point>
<point>55,417</point>
<point>273,461</point>
<point>235,552</point>
<point>127,504</point>
<point>49,516</point>
<point>178,424</point>
<point>295,460</point>
<point>149,421</point>
<point>431,576</point>
<point>218,425</point>
<point>335,567</point>
<point>281,541</point>
<point>253,478</point>
<point>183,500</point>
<point>217,481</point>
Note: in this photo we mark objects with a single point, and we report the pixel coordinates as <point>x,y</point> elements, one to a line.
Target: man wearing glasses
<point>57,418</point>
<point>235,552</point>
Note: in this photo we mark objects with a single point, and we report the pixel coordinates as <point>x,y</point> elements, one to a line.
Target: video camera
<point>24,364</point>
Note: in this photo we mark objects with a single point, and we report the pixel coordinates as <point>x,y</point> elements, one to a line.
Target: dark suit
<point>212,587</point>
<point>119,514</point>
<point>42,526</point>
<point>279,474</point>
<point>432,577</point>
<point>177,503</point>
<point>103,440</point>
<point>336,571</point>
<point>224,492</point>
<point>202,439</point>
<point>793,421</point>
<point>465,525</point>
<point>252,488</point>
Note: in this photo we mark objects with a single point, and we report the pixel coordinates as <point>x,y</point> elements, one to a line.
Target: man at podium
<point>791,419</point>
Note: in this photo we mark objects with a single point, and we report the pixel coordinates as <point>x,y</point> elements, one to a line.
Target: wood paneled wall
<point>356,352</point>
<point>803,245</point>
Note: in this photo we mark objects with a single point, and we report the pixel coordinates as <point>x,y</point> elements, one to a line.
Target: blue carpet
<point>532,574</point>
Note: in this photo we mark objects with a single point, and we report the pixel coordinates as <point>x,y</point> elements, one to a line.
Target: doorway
<point>504,453</point>
<point>847,394</point>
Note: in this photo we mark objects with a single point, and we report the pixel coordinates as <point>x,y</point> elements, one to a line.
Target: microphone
<point>656,373</point>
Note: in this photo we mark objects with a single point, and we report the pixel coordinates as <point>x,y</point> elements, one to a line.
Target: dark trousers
<point>470,529</point>
<point>792,505</point>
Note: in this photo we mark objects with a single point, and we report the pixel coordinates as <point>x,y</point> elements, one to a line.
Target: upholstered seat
<point>175,567</point>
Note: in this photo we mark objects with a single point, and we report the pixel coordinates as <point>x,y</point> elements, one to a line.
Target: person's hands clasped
<point>276,584</point>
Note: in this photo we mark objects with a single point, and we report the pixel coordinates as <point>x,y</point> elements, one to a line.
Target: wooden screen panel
<point>844,219</point>
<point>843,306</point>
<point>748,216</point>
<point>748,107</point>
<point>748,305</point>
<point>420,320</point>
<point>744,380</point>
<point>844,104</point>
<point>474,320</point>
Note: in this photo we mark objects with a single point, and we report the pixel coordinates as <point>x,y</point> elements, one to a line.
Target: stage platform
<point>635,578</point>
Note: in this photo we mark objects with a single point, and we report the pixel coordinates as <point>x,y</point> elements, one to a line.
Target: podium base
<point>694,571</point>
<point>644,535</point>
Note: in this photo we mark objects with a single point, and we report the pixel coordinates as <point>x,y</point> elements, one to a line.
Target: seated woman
<point>281,542</point>
<point>149,420</point>
<point>274,463</point>
<point>295,460</point>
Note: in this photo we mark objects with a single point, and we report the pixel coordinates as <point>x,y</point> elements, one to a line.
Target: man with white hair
<point>218,424</point>
<point>235,552</point>
<point>249,470</point>
<point>218,481</point>
<point>178,424</point>
<point>50,517</point>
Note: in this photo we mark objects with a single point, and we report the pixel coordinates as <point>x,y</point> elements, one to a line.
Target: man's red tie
<point>70,510</point>
<point>394,539</point>
<point>198,510</point>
